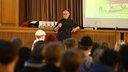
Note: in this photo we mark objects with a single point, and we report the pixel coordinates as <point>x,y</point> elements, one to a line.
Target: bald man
<point>65,26</point>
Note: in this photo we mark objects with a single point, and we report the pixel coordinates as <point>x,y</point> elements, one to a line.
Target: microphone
<point>115,32</point>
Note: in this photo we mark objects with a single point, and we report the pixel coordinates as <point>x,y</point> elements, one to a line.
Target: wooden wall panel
<point>126,37</point>
<point>99,36</point>
<point>0,10</point>
<point>27,35</point>
<point>22,13</point>
<point>27,38</point>
<point>9,11</point>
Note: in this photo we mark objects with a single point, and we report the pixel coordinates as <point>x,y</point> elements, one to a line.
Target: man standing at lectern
<point>65,26</point>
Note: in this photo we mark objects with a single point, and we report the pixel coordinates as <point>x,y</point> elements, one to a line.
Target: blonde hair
<point>40,32</point>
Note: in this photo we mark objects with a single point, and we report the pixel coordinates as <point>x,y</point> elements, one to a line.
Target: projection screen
<point>105,13</point>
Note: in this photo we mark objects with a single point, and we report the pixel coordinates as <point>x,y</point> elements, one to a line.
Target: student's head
<point>53,52</point>
<point>124,56</point>
<point>104,45</point>
<point>69,43</point>
<point>17,42</point>
<point>86,43</point>
<point>95,46</point>
<point>51,38</point>
<point>24,53</point>
<point>37,51</point>
<point>40,34</point>
<point>72,60</point>
<point>109,57</point>
<point>8,52</point>
<point>96,54</point>
<point>66,14</point>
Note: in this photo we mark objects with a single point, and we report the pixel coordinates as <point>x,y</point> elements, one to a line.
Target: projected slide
<point>106,9</point>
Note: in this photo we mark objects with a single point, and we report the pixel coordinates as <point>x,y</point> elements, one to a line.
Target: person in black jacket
<point>65,26</point>
<point>36,61</point>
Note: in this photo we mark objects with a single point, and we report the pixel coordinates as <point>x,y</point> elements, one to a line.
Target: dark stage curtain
<point>51,10</point>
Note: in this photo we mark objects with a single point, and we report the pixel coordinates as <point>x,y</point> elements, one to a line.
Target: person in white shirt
<point>40,36</point>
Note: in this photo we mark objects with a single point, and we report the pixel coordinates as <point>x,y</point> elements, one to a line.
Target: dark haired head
<point>124,56</point>
<point>37,50</point>
<point>104,45</point>
<point>7,52</point>
<point>109,57</point>
<point>24,53</point>
<point>17,42</point>
<point>53,52</point>
<point>86,42</point>
<point>95,46</point>
<point>72,60</point>
<point>69,43</point>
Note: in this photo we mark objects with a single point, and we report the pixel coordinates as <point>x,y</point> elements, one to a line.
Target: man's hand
<point>75,29</point>
<point>60,25</point>
<point>57,28</point>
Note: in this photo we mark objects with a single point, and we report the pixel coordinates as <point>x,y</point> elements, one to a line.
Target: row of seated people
<point>50,55</point>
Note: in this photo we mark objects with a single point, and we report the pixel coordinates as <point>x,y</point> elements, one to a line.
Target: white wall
<point>105,23</point>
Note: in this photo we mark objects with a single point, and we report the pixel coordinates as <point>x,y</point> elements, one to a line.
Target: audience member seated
<point>95,46</point>
<point>96,54</point>
<point>72,60</point>
<point>109,61</point>
<point>104,45</point>
<point>69,43</point>
<point>40,36</point>
<point>124,57</point>
<point>53,53</point>
<point>8,56</point>
<point>51,38</point>
<point>36,61</point>
<point>86,46</point>
<point>17,42</point>
<point>24,54</point>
